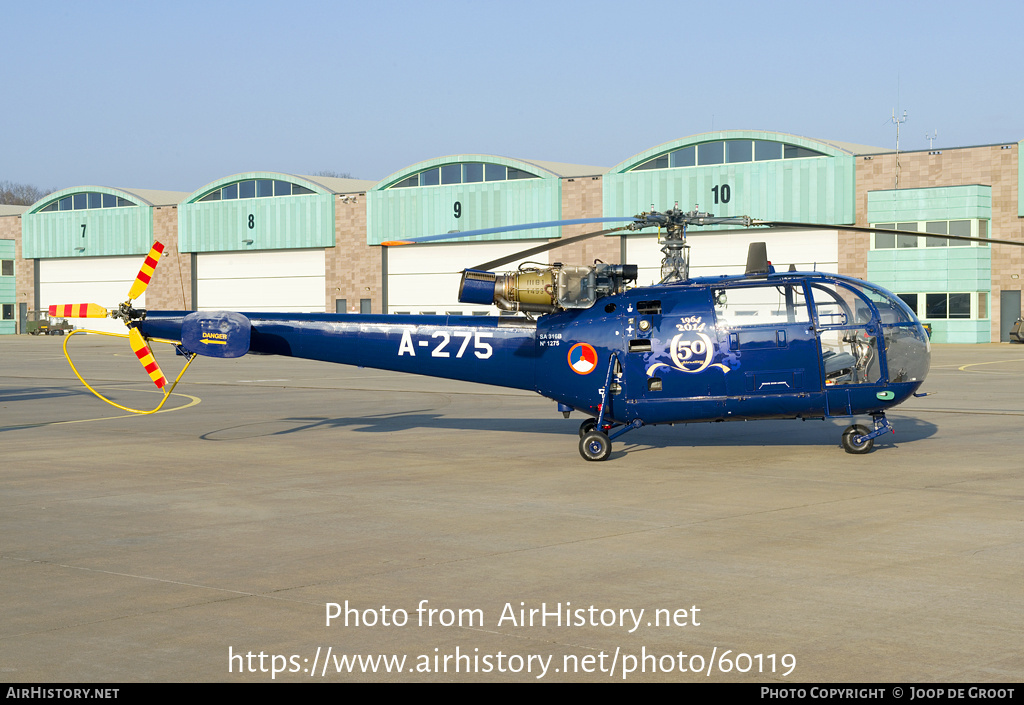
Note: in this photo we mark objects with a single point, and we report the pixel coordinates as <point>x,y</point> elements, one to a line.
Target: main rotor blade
<point>78,311</point>
<point>867,229</point>
<point>146,272</point>
<point>502,229</point>
<point>545,247</point>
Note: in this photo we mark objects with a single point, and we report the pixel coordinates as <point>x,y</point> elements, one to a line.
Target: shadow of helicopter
<point>780,432</point>
<point>10,395</point>
<point>17,395</point>
<point>773,433</point>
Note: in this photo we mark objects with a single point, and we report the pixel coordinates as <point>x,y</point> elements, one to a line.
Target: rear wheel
<point>587,426</point>
<point>850,444</point>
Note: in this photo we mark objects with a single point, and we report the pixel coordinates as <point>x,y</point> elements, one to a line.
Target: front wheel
<point>850,444</point>
<point>595,446</point>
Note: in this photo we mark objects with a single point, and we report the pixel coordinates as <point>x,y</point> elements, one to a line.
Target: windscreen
<point>903,342</point>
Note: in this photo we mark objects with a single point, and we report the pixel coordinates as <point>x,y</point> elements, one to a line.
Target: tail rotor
<point>129,315</point>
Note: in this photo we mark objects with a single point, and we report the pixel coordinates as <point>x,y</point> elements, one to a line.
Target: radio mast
<point>898,121</point>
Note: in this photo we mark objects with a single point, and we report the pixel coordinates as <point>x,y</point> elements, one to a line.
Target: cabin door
<point>767,332</point>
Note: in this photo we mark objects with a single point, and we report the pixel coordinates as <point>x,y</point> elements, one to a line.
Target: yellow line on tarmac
<point>963,368</point>
<point>193,402</point>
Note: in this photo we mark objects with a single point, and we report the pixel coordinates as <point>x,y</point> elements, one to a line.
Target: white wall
<point>268,280</point>
<point>425,278</point>
<point>725,252</point>
<point>83,280</point>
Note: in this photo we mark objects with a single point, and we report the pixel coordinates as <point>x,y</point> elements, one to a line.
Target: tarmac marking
<point>980,412</point>
<point>192,402</point>
<point>963,368</point>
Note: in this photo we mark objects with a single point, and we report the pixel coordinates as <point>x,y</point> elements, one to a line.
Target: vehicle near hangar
<point>42,323</point>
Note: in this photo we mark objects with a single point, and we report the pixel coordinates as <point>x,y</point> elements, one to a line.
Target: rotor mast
<point>675,265</point>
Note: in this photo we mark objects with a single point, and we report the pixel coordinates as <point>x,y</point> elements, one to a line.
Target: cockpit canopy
<point>867,334</point>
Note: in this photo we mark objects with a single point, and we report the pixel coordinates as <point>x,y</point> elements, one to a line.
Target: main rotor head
<point>675,265</point>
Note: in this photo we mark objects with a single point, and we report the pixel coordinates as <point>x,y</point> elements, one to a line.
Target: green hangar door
<point>259,240</point>
<point>457,194</point>
<point>762,174</point>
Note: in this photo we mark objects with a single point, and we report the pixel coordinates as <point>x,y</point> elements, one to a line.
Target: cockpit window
<point>838,306</point>
<point>891,309</point>
<point>848,335</point>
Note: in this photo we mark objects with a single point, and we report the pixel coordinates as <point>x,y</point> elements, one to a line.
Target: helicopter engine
<point>545,289</point>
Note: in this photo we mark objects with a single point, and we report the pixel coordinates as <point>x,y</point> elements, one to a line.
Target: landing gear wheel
<point>850,445</point>
<point>595,446</point>
<point>587,426</point>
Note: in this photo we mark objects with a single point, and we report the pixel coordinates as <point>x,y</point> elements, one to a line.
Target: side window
<point>762,305</point>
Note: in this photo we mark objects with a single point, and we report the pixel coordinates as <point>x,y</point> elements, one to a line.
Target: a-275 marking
<point>481,349</point>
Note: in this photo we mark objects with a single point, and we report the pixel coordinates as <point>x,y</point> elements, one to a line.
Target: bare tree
<point>333,174</point>
<point>12,194</point>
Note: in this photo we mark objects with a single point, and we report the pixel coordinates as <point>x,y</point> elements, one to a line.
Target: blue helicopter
<point>762,345</point>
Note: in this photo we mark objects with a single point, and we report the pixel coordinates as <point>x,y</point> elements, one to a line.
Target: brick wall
<point>583,198</point>
<point>171,287</point>
<point>24,270</point>
<point>353,267</point>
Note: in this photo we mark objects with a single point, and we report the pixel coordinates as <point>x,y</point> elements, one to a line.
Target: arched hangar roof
<point>263,210</point>
<point>88,197</point>
<point>524,169</point>
<point>274,181</point>
<point>794,145</point>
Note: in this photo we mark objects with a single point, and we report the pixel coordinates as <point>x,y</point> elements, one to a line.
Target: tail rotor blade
<point>146,273</point>
<point>145,356</point>
<point>78,311</point>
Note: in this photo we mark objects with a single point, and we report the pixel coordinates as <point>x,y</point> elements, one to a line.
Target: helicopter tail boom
<point>487,350</point>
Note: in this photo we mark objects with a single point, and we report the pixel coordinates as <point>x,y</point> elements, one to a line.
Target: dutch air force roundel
<point>582,358</point>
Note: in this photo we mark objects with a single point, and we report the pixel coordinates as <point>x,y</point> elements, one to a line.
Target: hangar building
<point>281,242</point>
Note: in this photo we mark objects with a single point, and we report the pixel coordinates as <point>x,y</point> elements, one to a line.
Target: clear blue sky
<point>177,94</point>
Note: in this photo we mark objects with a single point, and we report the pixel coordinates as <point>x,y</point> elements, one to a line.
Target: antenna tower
<point>898,121</point>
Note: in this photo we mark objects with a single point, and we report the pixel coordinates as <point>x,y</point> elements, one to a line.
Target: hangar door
<point>267,280</point>
<point>426,278</point>
<point>97,280</point>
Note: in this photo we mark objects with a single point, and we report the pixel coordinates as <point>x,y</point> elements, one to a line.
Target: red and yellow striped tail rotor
<point>145,356</point>
<point>78,311</point>
<point>146,273</point>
